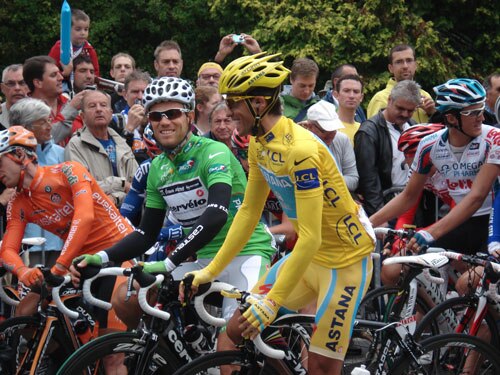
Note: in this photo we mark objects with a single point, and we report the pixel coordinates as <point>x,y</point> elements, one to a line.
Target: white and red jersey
<point>457,175</point>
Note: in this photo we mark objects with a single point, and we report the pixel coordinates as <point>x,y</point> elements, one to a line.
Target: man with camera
<point>230,41</point>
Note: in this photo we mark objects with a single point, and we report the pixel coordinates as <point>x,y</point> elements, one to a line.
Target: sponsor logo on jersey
<point>48,189</point>
<point>287,139</point>
<point>330,194</point>
<point>186,166</point>
<point>192,203</point>
<point>56,198</point>
<point>278,181</point>
<point>217,168</point>
<point>200,192</point>
<point>474,146</point>
<point>67,169</point>
<point>275,157</point>
<point>348,229</point>
<point>112,212</point>
<point>307,179</point>
<point>338,320</point>
<point>57,216</point>
<point>268,138</point>
<point>188,147</point>
<point>493,137</point>
<point>459,184</point>
<point>181,187</point>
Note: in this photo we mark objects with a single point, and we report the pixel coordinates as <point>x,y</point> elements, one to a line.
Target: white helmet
<point>166,89</point>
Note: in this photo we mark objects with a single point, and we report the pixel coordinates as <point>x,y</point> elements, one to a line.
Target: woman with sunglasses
<point>201,184</point>
<point>457,152</point>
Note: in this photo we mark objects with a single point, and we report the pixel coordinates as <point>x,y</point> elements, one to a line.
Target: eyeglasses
<point>169,114</point>
<point>473,112</point>
<point>206,77</point>
<point>226,121</point>
<point>12,84</point>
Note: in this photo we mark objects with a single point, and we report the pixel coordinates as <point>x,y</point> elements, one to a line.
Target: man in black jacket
<point>380,164</point>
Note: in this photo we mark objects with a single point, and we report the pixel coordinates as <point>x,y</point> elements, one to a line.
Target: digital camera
<point>237,38</point>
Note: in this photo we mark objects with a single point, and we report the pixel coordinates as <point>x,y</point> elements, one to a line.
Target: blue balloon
<point>65,33</point>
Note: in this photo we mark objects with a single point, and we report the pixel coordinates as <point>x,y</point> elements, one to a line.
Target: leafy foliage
<point>452,38</point>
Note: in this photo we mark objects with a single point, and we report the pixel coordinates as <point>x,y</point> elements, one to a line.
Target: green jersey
<point>181,186</point>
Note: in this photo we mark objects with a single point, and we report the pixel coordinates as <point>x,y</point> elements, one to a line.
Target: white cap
<point>325,114</point>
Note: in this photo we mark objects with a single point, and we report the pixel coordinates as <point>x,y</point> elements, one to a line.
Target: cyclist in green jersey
<point>201,184</point>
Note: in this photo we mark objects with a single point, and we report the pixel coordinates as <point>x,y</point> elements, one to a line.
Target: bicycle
<point>39,344</point>
<point>9,294</point>
<point>466,314</point>
<point>158,345</point>
<point>426,357</point>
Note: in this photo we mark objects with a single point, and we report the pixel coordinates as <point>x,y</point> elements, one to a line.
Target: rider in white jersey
<point>457,152</point>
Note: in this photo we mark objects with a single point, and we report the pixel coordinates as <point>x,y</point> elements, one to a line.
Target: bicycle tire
<point>19,340</point>
<point>211,363</point>
<point>447,354</point>
<point>289,331</point>
<point>375,306</point>
<point>86,360</point>
<point>451,306</point>
<point>11,344</point>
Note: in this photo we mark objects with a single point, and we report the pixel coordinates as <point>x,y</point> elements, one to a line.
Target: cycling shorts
<point>468,238</point>
<point>337,294</point>
<point>243,272</point>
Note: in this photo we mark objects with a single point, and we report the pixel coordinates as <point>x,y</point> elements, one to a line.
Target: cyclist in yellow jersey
<point>331,263</point>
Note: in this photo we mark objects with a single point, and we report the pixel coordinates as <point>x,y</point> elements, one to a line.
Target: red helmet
<point>411,137</point>
<point>239,141</point>
<point>149,140</point>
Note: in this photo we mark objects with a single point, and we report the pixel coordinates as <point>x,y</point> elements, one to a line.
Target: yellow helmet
<point>255,71</point>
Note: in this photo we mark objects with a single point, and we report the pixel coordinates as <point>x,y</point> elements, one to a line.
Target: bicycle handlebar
<point>219,322</point>
<point>57,299</point>
<point>111,271</point>
<point>200,306</point>
<point>143,302</point>
<point>5,297</point>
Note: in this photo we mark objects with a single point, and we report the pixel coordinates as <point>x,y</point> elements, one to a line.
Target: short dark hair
<point>137,75</point>
<point>34,67</point>
<point>80,59</point>
<point>353,77</point>
<point>166,45</point>
<point>304,67</point>
<point>338,71</point>
<point>399,48</point>
<point>79,15</point>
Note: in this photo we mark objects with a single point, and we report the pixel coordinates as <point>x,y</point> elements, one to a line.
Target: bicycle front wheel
<point>451,354</point>
<point>458,310</point>
<point>241,363</point>
<point>89,358</point>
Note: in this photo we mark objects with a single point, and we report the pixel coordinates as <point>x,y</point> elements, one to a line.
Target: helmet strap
<point>256,127</point>
<point>172,152</point>
<point>459,127</point>
<point>24,164</point>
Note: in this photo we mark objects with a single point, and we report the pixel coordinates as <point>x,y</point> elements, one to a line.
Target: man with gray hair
<point>34,115</point>
<point>14,88</point>
<point>380,164</point>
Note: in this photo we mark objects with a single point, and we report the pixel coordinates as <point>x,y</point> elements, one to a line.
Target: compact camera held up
<point>238,38</point>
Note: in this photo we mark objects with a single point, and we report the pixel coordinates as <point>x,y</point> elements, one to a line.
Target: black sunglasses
<point>170,114</point>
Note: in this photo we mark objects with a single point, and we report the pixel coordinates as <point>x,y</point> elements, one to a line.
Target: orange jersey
<point>67,201</point>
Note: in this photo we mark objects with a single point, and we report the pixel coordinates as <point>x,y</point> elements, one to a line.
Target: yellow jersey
<point>333,231</point>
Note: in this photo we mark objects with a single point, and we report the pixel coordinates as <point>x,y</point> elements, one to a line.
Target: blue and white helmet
<point>459,93</point>
<point>166,89</point>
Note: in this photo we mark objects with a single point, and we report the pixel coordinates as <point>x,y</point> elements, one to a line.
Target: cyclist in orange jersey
<point>63,199</point>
